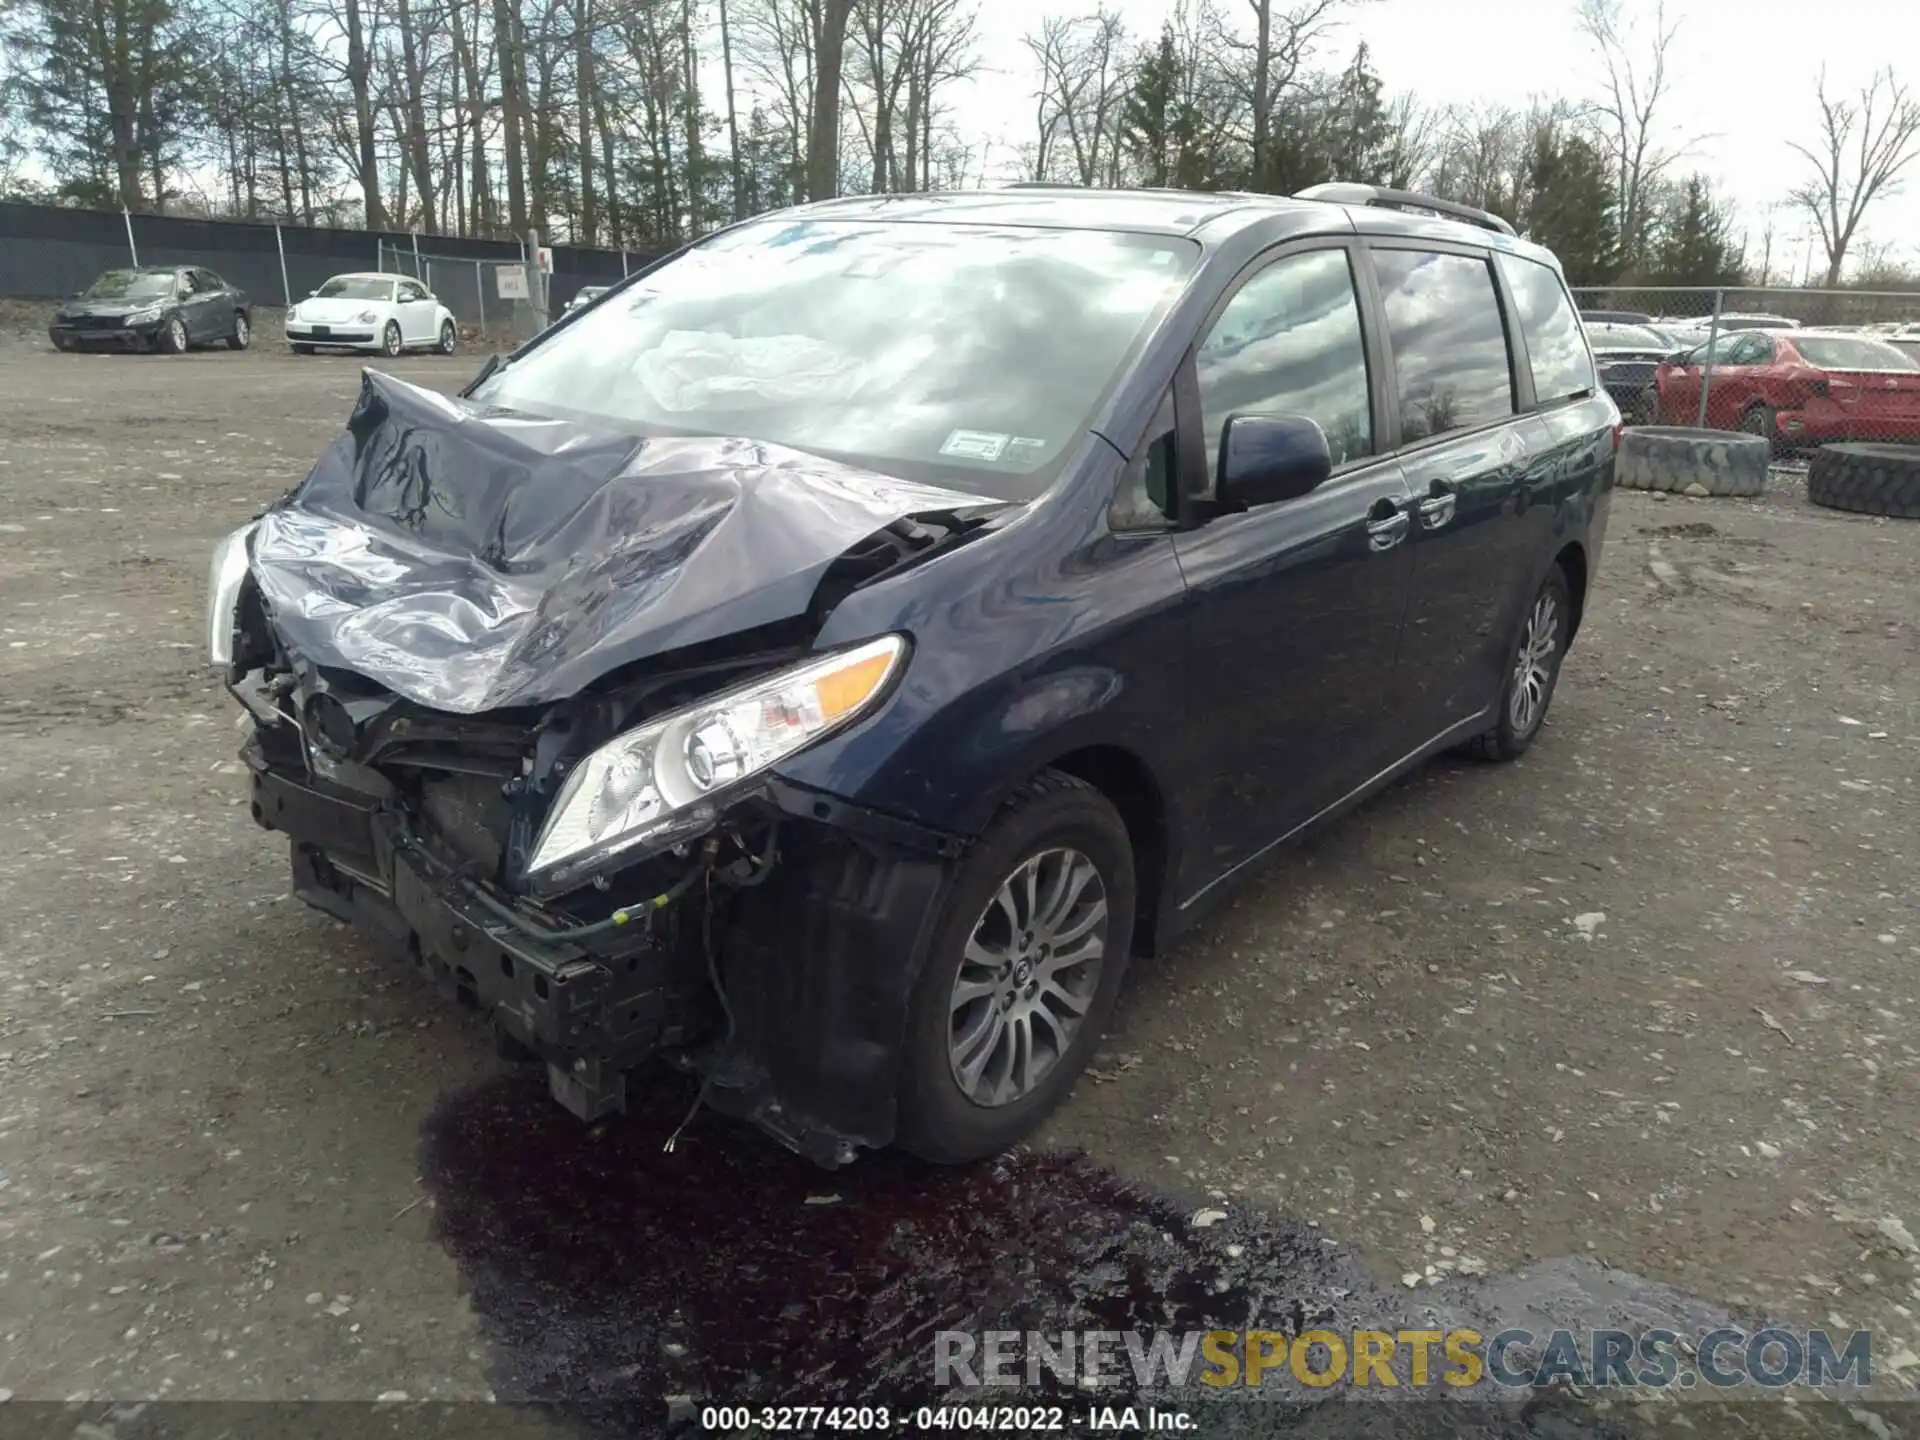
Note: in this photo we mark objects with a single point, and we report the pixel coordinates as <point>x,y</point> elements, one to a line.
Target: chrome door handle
<point>1436,510</point>
<point>1387,533</point>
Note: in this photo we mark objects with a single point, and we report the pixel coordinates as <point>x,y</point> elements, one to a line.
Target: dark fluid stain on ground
<point>613,1277</point>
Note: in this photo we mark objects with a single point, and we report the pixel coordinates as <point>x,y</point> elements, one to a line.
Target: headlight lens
<point>656,785</point>
<point>141,317</point>
<point>366,317</point>
<point>227,573</point>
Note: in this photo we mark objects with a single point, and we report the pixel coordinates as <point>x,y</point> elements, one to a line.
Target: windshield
<point>132,285</point>
<point>355,287</point>
<point>921,350</point>
<point>1849,352</point>
<point>1626,337</point>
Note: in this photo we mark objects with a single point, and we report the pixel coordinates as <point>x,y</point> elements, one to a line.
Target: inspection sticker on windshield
<point>985,445</point>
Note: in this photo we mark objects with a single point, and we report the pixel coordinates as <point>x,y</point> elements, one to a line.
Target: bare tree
<point>1083,82</point>
<point>1272,59</point>
<point>1862,149</point>
<point>1637,82</point>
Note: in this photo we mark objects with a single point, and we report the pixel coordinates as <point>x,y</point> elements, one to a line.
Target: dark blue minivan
<point>825,660</point>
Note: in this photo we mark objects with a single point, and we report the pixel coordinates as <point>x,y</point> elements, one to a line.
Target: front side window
<point>1449,343</point>
<point>972,355</point>
<point>1290,344</point>
<point>1144,500</point>
<point>1557,354</point>
<point>411,291</point>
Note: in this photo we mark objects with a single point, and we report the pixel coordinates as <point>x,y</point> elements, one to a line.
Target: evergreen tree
<point>1354,124</point>
<point>1570,206</point>
<point>1147,120</point>
<point>1692,244</point>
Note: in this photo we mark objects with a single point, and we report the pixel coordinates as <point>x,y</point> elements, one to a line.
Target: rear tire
<point>1763,421</point>
<point>390,339</point>
<point>303,349</point>
<point>1065,829</point>
<point>1533,672</point>
<point>242,332</point>
<point>449,338</point>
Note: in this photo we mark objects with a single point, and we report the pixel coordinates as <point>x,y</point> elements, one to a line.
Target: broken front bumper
<point>817,963</point>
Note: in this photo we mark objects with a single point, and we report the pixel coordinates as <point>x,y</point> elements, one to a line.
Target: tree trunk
<point>823,137</point>
<point>413,108</point>
<point>583,99</point>
<point>695,160</point>
<point>733,119</point>
<point>512,112</point>
<point>360,78</point>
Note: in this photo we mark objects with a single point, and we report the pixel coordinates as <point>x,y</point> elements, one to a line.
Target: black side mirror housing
<point>1265,459</point>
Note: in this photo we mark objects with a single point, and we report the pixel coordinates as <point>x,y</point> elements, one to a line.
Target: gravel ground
<point>1645,999</point>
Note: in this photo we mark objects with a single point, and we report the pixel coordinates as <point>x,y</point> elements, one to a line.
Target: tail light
<point>1619,429</point>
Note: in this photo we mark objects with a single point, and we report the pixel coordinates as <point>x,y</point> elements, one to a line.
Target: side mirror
<point>1268,458</point>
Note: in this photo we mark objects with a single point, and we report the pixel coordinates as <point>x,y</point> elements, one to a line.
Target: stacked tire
<point>1867,479</point>
<point>1685,461</point>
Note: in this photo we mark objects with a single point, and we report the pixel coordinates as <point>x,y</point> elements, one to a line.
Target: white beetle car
<point>370,311</point>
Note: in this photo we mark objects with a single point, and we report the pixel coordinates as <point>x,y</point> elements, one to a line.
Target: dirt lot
<point>1647,998</point>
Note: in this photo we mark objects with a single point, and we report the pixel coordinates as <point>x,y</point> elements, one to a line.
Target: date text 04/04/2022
<point>1001,1419</point>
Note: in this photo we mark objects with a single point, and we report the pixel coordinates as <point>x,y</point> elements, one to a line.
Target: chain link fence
<point>499,301</point>
<point>1803,368</point>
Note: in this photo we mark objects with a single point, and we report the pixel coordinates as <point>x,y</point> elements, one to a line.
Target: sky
<point>1745,79</point>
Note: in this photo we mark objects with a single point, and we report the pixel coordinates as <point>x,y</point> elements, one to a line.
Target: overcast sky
<point>1746,72</point>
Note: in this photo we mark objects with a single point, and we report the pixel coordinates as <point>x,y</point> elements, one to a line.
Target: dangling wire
<point>719,991</point>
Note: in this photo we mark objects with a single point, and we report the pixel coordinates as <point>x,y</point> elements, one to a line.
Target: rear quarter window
<point>1556,348</point>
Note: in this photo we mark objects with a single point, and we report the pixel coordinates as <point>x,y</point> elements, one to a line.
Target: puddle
<point>630,1285</point>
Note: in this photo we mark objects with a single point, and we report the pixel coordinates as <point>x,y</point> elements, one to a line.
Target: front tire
<point>390,339</point>
<point>1533,670</point>
<point>1025,964</point>
<point>171,338</point>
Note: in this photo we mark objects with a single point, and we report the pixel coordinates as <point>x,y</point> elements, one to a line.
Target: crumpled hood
<point>471,560</point>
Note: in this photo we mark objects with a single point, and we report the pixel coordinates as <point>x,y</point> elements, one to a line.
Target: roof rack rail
<point>1341,193</point>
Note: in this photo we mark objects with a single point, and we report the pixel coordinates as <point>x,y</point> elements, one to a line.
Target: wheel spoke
<point>1081,927</point>
<point>1088,949</point>
<point>1020,1052</point>
<point>981,956</point>
<point>1061,1032</point>
<point>984,1040</point>
<point>1074,1005</point>
<point>965,992</point>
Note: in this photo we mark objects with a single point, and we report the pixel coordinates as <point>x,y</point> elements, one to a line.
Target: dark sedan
<point>1628,355</point>
<point>168,308</point>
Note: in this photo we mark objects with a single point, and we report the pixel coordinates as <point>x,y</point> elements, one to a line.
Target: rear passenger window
<point>1289,344</point>
<point>1449,345</point>
<point>1556,350</point>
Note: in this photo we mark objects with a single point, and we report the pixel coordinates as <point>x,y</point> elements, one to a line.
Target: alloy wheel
<point>176,336</point>
<point>1028,976</point>
<point>1533,664</point>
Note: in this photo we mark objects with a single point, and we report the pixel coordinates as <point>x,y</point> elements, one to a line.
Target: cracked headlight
<point>226,575</point>
<point>658,785</point>
<point>142,317</point>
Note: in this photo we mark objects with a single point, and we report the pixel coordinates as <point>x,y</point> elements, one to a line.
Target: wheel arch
<point>1571,561</point>
<point>1128,783</point>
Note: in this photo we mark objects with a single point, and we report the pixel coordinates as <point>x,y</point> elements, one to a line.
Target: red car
<point>1797,387</point>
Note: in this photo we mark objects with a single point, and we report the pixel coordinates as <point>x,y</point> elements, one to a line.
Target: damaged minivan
<point>824,661</point>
